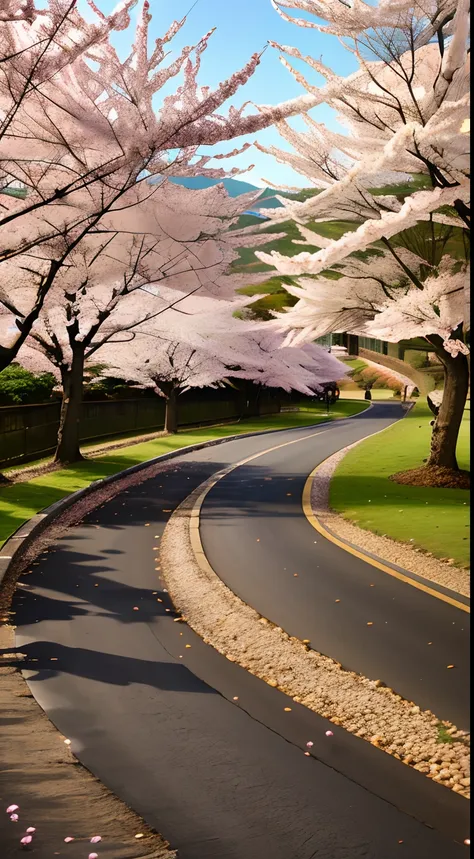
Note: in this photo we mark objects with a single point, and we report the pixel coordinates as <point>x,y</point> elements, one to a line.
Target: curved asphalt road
<point>256,538</point>
<point>158,723</point>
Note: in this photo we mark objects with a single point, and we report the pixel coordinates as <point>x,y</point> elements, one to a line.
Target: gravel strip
<point>404,555</point>
<point>364,707</point>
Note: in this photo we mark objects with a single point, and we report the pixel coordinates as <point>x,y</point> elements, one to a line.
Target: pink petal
<point>310,745</point>
<point>31,829</point>
<point>93,856</point>
<point>68,839</point>
<point>27,839</point>
<point>12,808</point>
<point>95,839</point>
<point>14,817</point>
<point>329,734</point>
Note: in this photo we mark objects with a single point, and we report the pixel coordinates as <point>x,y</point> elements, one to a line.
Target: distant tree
<point>203,344</point>
<point>18,386</point>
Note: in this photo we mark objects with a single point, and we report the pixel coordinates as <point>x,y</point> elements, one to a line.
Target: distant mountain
<point>234,187</point>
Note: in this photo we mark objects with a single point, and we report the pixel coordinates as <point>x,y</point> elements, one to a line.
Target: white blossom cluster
<point>405,111</point>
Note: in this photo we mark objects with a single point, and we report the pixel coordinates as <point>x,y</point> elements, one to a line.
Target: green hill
<point>234,187</point>
<point>277,296</point>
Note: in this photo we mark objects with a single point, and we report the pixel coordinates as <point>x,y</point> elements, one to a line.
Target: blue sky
<point>243,27</point>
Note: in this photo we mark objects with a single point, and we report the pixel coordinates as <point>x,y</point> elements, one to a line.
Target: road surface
<point>256,538</point>
<point>158,722</point>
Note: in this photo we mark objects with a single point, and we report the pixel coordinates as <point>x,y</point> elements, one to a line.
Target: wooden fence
<point>30,432</point>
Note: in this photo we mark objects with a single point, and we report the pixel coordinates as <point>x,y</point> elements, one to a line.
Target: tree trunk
<point>448,421</point>
<point>171,412</point>
<point>68,449</point>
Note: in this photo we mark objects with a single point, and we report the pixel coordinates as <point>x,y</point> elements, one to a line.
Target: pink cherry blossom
<point>95,839</point>
<point>395,125</point>
<point>70,108</point>
<point>456,347</point>
<point>392,118</point>
<point>12,808</point>
<point>198,346</point>
<point>329,734</point>
<point>27,839</point>
<point>404,111</point>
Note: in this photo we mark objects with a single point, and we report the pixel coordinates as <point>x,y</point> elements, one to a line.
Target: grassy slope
<point>278,298</point>
<point>22,500</point>
<point>437,520</point>
<point>247,260</point>
<point>356,364</point>
<point>419,181</point>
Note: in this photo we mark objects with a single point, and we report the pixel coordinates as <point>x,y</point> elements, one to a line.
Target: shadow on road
<point>49,660</point>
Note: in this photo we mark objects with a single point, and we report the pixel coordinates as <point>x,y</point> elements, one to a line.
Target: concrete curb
<point>15,547</point>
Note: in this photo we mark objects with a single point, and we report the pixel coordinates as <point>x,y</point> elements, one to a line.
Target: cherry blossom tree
<point>402,271</point>
<point>79,127</point>
<point>158,246</point>
<point>201,343</point>
<point>392,296</point>
<point>406,108</point>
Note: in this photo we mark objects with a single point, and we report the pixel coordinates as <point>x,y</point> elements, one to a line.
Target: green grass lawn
<point>436,520</point>
<point>356,364</point>
<point>20,501</point>
<point>419,181</point>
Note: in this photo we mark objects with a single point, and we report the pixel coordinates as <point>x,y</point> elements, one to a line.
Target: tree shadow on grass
<point>369,489</point>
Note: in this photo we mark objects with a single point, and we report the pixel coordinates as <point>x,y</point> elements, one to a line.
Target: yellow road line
<point>317,525</point>
<point>308,512</point>
<point>196,511</point>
